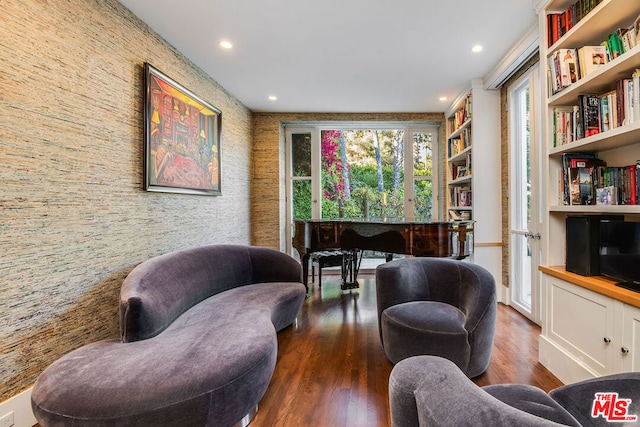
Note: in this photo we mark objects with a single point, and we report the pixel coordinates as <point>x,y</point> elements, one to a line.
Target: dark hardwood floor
<point>332,371</point>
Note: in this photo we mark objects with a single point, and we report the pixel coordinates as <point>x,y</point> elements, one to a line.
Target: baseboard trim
<point>20,404</point>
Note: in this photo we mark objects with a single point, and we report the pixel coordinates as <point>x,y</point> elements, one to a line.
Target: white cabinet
<point>585,333</point>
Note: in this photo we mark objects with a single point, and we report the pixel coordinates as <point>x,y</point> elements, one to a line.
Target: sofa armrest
<point>578,398</point>
<point>433,391</point>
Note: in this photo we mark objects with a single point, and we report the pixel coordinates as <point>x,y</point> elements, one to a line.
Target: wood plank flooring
<point>332,371</point>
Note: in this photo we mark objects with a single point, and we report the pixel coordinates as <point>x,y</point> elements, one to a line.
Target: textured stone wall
<point>268,187</point>
<point>74,217</point>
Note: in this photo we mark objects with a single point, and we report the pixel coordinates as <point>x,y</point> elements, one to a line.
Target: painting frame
<point>182,137</point>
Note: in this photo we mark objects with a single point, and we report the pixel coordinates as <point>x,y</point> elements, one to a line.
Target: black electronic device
<point>582,239</point>
<point>619,251</point>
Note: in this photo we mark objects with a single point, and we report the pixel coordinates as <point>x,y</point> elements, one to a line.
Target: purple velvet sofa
<point>198,344</point>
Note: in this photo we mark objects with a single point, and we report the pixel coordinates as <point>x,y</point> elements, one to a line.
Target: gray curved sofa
<point>198,343</point>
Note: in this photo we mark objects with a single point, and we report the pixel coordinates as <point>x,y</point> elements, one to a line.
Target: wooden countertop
<point>597,284</point>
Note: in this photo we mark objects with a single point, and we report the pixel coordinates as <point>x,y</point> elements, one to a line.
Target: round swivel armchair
<point>437,306</point>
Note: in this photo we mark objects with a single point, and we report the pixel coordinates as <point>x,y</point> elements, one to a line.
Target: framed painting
<point>182,138</point>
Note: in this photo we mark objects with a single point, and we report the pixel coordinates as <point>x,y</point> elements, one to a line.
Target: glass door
<point>524,197</point>
<point>302,188</point>
<point>361,172</point>
<point>422,193</point>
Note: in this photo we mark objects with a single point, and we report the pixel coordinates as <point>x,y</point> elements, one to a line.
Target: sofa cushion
<point>532,400</point>
<point>160,289</point>
<point>425,327</point>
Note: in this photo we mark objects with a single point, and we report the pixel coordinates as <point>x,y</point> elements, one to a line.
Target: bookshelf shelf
<point>615,138</point>
<point>461,156</point>
<point>460,129</point>
<point>596,209</point>
<point>461,181</point>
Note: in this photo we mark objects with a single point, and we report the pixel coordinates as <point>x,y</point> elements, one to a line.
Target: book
<point>564,68</point>
<point>569,66</point>
<point>565,174</point>
<point>563,126</point>
<point>614,45</point>
<point>581,189</point>
<point>591,58</point>
<point>605,114</point>
<point>574,187</point>
<point>606,196</point>
<point>608,111</point>
<point>590,114</point>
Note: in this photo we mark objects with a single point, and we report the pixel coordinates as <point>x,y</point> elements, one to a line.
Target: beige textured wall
<point>268,189</point>
<point>74,217</point>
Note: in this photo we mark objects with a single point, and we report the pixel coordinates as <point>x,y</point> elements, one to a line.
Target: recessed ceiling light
<point>226,44</point>
<point>443,98</point>
<point>477,48</point>
<point>273,98</point>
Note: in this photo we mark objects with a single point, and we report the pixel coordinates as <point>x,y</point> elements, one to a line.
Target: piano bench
<point>330,258</point>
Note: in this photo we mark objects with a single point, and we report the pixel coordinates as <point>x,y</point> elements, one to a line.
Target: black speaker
<point>582,243</point>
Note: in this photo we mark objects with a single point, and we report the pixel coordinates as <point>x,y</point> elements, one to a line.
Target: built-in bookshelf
<point>602,152</point>
<point>591,136</point>
<point>473,181</point>
<point>459,152</point>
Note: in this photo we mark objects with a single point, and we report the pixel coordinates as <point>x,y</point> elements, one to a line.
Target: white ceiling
<point>341,55</point>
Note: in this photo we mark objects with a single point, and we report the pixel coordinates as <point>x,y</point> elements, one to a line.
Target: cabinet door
<point>630,348</point>
<point>581,322</point>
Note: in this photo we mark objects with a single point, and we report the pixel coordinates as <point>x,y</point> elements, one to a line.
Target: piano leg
<point>305,271</point>
<point>350,268</point>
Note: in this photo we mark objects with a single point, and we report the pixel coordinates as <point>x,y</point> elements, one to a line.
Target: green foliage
<point>356,195</point>
<point>368,175</point>
<point>301,200</point>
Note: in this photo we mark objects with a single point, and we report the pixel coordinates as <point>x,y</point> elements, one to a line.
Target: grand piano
<point>428,239</point>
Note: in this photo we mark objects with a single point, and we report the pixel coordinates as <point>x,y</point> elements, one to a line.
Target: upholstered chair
<point>437,306</point>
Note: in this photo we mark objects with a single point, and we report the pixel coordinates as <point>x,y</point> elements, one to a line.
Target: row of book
<point>567,66</point>
<point>461,197</point>
<point>587,180</point>
<point>461,170</point>
<point>460,143</point>
<point>598,113</point>
<point>461,115</point>
<point>559,23</point>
